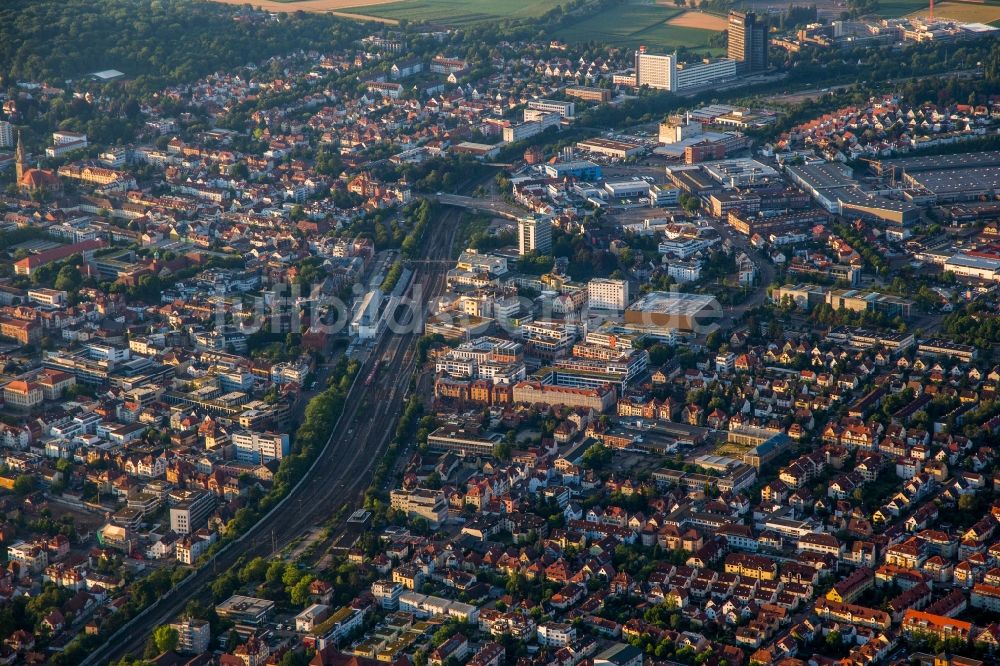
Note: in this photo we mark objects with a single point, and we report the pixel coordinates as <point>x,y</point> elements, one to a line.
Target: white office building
<point>703,73</point>
<point>534,234</point>
<point>6,134</point>
<point>260,447</point>
<point>607,294</point>
<point>536,122</point>
<point>190,510</point>
<point>655,71</point>
<point>624,189</point>
<point>664,72</point>
<point>564,109</point>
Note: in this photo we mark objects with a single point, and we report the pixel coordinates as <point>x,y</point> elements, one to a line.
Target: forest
<point>154,42</point>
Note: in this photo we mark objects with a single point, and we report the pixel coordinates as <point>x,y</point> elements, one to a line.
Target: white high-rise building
<point>6,134</point>
<point>665,72</point>
<point>655,71</point>
<point>534,234</point>
<point>607,294</point>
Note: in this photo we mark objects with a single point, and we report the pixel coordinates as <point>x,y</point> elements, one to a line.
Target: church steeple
<point>19,158</point>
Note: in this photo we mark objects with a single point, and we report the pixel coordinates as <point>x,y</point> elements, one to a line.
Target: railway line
<point>342,471</point>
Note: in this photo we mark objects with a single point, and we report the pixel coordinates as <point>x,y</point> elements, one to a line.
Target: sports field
<point>451,12</point>
<point>658,27</point>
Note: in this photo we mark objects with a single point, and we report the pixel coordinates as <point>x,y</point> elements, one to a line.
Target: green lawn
<point>457,12</point>
<point>636,25</point>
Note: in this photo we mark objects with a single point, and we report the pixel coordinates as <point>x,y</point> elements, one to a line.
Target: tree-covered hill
<point>151,41</point>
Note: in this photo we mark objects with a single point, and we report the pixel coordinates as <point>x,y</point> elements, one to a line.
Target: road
<point>341,473</point>
<point>765,274</point>
<point>500,208</point>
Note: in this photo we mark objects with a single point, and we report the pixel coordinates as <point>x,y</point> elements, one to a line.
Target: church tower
<point>19,158</point>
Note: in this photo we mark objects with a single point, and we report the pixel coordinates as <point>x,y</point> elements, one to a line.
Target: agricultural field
<point>965,12</point>
<point>332,6</point>
<point>659,27</point>
<point>897,8</point>
<point>450,12</point>
<point>700,20</point>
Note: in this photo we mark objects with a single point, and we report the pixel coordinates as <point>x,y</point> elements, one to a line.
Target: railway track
<point>341,473</point>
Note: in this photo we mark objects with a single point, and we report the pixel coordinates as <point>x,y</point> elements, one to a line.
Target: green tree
<point>166,638</point>
<point>597,456</point>
<point>502,450</point>
<point>294,658</point>
<point>24,484</point>
<point>299,593</point>
<point>967,503</point>
<point>275,571</point>
<point>291,576</point>
<point>68,278</point>
<point>256,569</point>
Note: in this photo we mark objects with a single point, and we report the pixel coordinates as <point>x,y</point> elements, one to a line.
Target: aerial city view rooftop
<point>521,333</point>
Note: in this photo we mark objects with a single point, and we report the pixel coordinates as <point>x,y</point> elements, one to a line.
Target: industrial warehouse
<point>946,178</point>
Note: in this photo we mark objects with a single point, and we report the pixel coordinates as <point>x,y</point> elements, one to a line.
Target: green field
<point>635,25</point>
<point>897,8</point>
<point>457,12</point>
<point>970,12</point>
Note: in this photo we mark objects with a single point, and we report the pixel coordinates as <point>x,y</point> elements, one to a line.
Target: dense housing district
<point>406,352</point>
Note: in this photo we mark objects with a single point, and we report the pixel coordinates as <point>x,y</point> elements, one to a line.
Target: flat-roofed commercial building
<point>834,188</point>
<point>685,312</point>
<point>973,265</point>
<point>703,73</point>
<point>947,178</point>
<point>464,440</point>
<point>942,347</point>
<point>245,610</point>
<point>564,109</point>
<point>876,207</point>
<point>857,300</point>
<point>611,148</point>
<point>740,172</point>
<point>579,169</point>
<point>589,94</point>
<point>627,189</point>
<point>804,296</point>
